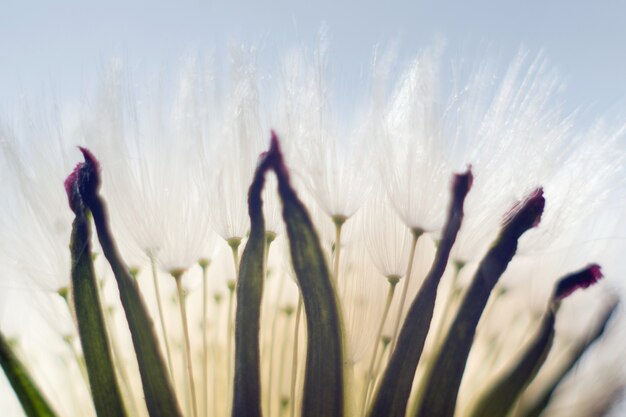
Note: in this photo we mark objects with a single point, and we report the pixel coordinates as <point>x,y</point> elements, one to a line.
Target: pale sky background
<point>62,46</point>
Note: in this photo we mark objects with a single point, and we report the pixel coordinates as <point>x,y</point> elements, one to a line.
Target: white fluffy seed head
<point>414,164</point>
<point>36,221</point>
<point>387,238</point>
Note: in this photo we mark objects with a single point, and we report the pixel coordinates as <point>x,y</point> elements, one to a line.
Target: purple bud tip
<point>274,143</point>
<point>581,279</point>
<point>262,158</point>
<point>85,176</point>
<point>90,159</point>
<point>277,156</point>
<point>70,183</point>
<point>528,210</point>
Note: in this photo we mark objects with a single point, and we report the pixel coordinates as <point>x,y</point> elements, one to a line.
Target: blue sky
<point>62,46</point>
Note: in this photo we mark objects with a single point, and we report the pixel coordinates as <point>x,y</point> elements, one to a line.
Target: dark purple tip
<point>85,177</point>
<point>462,183</point>
<point>528,211</point>
<point>70,185</point>
<point>581,279</point>
<point>277,157</point>
<point>90,159</point>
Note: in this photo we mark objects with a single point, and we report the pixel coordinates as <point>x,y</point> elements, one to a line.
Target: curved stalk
<point>294,360</point>
<point>157,293</point>
<point>271,353</point>
<point>283,351</point>
<point>369,377</point>
<point>218,298</point>
<point>229,337</point>
<point>405,288</point>
<point>178,275</point>
<point>338,220</point>
<point>204,265</point>
<point>385,340</point>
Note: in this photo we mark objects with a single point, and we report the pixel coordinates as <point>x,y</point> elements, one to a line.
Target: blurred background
<point>61,47</point>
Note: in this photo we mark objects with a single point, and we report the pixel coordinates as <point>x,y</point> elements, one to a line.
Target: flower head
<point>174,169</point>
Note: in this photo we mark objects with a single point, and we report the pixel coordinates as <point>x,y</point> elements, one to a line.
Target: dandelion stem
<point>31,398</point>
<point>385,340</point>
<point>80,361</point>
<point>178,275</point>
<point>269,238</point>
<point>294,360</point>
<point>428,360</point>
<point>204,264</point>
<point>117,354</point>
<point>159,393</point>
<point>448,302</point>
<point>65,295</point>
<point>369,377</point>
<point>338,220</point>
<point>416,232</point>
<point>273,338</point>
<point>234,244</point>
<point>157,291</point>
<point>283,352</point>
<point>440,396</point>
<point>229,336</point>
<point>392,398</point>
<point>218,298</point>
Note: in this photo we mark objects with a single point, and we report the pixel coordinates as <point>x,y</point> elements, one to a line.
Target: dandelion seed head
<point>415,167</point>
<point>362,291</point>
<point>387,238</point>
<point>176,164</point>
<point>37,211</point>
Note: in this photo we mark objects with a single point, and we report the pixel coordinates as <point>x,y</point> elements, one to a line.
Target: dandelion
<point>480,197</point>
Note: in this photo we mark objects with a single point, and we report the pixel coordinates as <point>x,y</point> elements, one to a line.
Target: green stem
<point>31,398</point>
<point>178,275</point>
<point>395,388</point>
<point>393,281</point>
<point>69,339</point>
<point>218,298</point>
<point>269,238</point>
<point>155,280</point>
<point>204,264</point>
<point>105,391</point>
<point>250,282</point>
<point>234,244</point>
<point>385,340</point>
<point>338,220</point>
<point>323,392</point>
<point>270,385</point>
<point>405,288</point>
<point>229,337</point>
<point>283,352</point>
<point>160,396</point>
<point>117,358</point>
<point>448,303</point>
<point>294,360</point>
<point>428,360</point>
